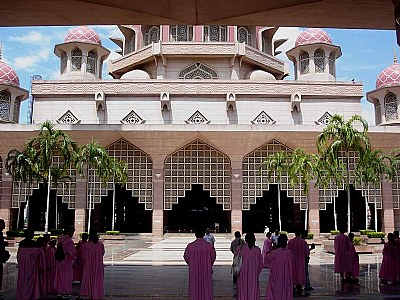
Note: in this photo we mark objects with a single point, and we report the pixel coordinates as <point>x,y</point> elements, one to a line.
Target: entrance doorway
<point>265,213</point>
<point>197,208</point>
<point>130,216</point>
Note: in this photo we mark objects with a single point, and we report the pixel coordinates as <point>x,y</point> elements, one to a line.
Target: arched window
<point>391,107</point>
<point>304,63</point>
<point>198,70</point>
<point>244,35</point>
<point>130,44</point>
<point>5,102</point>
<point>76,59</point>
<point>332,70</point>
<point>319,61</point>
<point>64,59</point>
<point>91,65</point>
<point>180,33</point>
<point>151,34</point>
<point>16,111</point>
<point>215,33</point>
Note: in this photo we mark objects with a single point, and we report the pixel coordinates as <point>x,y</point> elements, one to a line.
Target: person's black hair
<point>40,241</point>
<point>396,234</point>
<point>250,239</point>
<point>304,234</point>
<point>199,232</point>
<point>351,236</point>
<point>237,234</point>
<point>282,241</point>
<point>85,235</point>
<point>29,234</point>
<point>391,238</point>
<point>298,232</point>
<point>342,229</point>
<point>93,236</point>
<point>69,229</point>
<point>268,235</point>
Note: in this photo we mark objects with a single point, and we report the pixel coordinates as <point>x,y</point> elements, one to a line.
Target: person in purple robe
<point>3,250</point>
<point>42,245</point>
<point>200,256</point>
<point>299,248</point>
<point>355,261</point>
<point>343,260</point>
<point>234,244</point>
<point>390,261</point>
<point>78,268</point>
<point>64,268</point>
<point>93,251</point>
<point>51,266</point>
<point>267,246</point>
<point>248,287</point>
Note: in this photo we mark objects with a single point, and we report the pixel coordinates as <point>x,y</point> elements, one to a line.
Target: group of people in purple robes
<point>390,267</point>
<point>41,271</point>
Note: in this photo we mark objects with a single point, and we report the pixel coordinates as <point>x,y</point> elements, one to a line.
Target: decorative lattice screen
<point>197,163</point>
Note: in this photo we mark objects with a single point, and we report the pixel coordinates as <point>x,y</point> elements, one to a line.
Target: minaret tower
<point>81,55</point>
<point>314,56</point>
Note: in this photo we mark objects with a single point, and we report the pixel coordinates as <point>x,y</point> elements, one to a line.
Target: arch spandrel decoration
<point>140,174</point>
<point>372,192</point>
<point>255,181</point>
<point>197,163</point>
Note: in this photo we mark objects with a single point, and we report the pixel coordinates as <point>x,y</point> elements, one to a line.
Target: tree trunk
<point>306,219</point>
<point>113,209</point>
<point>348,192</point>
<point>334,212</point>
<point>376,217</point>
<point>90,209</point>
<point>46,226</point>
<point>279,207</point>
<point>366,213</point>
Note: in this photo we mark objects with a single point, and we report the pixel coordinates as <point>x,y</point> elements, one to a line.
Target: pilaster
<point>313,209</point>
<point>236,207</point>
<point>387,206</point>
<point>6,198</point>
<point>158,200</point>
<point>80,205</point>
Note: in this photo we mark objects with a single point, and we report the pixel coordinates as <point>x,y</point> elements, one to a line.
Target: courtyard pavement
<point>141,267</point>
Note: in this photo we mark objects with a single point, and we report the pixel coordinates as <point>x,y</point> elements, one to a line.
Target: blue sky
<point>29,51</point>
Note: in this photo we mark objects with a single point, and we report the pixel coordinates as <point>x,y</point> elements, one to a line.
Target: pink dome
<point>8,75</point>
<point>83,34</point>
<point>313,36</point>
<point>389,76</point>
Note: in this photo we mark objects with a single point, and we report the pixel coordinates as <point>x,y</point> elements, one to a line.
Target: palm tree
<point>276,164</point>
<point>341,137</point>
<point>94,156</point>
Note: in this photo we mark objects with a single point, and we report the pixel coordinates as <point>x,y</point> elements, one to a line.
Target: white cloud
<point>290,33</point>
<point>30,37</point>
<point>29,61</point>
<point>368,112</point>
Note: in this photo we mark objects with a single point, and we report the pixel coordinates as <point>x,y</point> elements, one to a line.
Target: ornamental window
<point>5,102</point>
<point>332,70</point>
<point>244,35</point>
<point>198,70</point>
<point>378,114</point>
<point>215,33</point>
<point>76,59</point>
<point>130,44</point>
<point>16,111</point>
<point>64,59</point>
<point>91,65</point>
<point>304,63</point>
<point>391,107</point>
<point>319,61</point>
<point>151,35</point>
<point>180,33</point>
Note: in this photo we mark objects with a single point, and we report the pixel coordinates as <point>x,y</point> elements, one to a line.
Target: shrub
<point>376,235</point>
<point>15,233</point>
<point>310,236</point>
<point>112,232</point>
<point>56,231</point>
<point>357,240</point>
<point>334,232</point>
<point>283,232</point>
<point>365,232</point>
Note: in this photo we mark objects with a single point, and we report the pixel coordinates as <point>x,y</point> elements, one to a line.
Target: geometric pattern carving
<point>91,65</point>
<point>21,192</point>
<point>152,34</point>
<point>8,75</point>
<point>132,118</point>
<point>198,70</point>
<point>319,61</point>
<point>304,63</point>
<point>244,35</point>
<point>391,107</point>
<point>324,120</point>
<point>76,59</point>
<point>180,33</point>
<point>215,33</point>
<point>197,163</point>
<point>263,118</point>
<point>313,35</point>
<point>139,170</point>
<point>256,180</point>
<point>83,34</point>
<point>197,118</point>
<point>372,192</point>
<point>68,118</point>
<point>5,103</point>
<point>389,77</point>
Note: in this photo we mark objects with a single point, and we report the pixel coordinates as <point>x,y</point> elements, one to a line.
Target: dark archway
<point>130,216</point>
<point>197,208</point>
<point>357,207</point>
<point>37,209</point>
<point>265,212</point>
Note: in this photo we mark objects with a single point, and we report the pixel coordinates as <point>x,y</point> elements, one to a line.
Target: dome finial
<point>394,54</point>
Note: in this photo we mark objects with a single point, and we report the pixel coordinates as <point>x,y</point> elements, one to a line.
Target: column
<point>236,198</point>
<point>158,202</point>
<point>387,207</point>
<point>80,205</point>
<point>313,209</point>
<point>6,199</point>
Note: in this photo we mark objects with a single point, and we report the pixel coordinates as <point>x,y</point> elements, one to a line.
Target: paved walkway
<point>144,268</point>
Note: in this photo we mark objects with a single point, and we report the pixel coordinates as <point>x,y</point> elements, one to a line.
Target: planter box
<point>118,237</point>
<point>359,249</point>
<point>374,241</point>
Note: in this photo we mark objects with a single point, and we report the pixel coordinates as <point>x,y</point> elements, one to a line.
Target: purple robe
<point>200,256</point>
<point>267,247</point>
<point>93,270</point>
<point>343,261</point>
<point>248,287</point>
<point>42,273</point>
<point>390,263</point>
<point>28,285</point>
<point>280,284</point>
<point>64,269</point>
<point>300,250</point>
<point>50,269</point>
<point>355,262</point>
<point>78,268</point>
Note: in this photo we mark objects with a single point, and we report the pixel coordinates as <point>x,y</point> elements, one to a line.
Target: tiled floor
<point>146,268</point>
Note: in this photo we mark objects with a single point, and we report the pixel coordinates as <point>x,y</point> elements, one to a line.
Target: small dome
<point>136,74</point>
<point>259,75</point>
<point>389,76</point>
<point>83,34</point>
<point>313,36</point>
<point>8,75</point>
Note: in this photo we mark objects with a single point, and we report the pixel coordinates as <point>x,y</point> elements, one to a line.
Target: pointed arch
<point>5,105</point>
<point>391,107</point>
<point>244,35</point>
<point>197,163</point>
<point>304,63</point>
<point>151,34</point>
<point>76,59</point>
<point>319,61</point>
<point>198,70</point>
<point>91,65</point>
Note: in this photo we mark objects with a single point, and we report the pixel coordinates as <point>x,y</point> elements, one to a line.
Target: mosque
<point>193,110</point>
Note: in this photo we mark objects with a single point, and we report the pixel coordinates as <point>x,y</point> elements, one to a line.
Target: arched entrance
<point>265,213</point>
<point>197,208</point>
